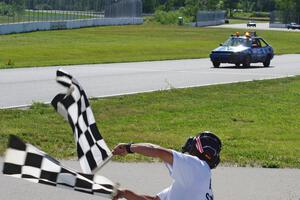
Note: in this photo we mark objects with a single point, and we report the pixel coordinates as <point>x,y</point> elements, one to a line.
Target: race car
<point>293,25</point>
<point>251,24</point>
<point>245,49</point>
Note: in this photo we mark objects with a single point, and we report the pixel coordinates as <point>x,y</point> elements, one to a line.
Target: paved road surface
<point>228,183</point>
<point>259,26</point>
<point>23,86</point>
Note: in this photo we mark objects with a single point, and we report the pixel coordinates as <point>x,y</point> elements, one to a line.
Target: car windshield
<point>238,41</point>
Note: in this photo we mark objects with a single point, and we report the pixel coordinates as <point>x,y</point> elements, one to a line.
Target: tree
<point>265,5</point>
<point>230,5</point>
<point>247,5</point>
<point>193,6</point>
<point>149,6</point>
<point>291,10</point>
<point>212,4</point>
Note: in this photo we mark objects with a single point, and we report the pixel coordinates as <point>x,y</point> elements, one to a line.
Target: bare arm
<point>146,149</point>
<point>127,194</point>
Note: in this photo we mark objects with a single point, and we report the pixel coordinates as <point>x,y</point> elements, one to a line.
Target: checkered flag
<point>74,106</point>
<point>28,162</point>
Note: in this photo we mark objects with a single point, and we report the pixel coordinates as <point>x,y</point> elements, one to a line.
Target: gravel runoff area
<point>229,183</point>
<point>259,26</point>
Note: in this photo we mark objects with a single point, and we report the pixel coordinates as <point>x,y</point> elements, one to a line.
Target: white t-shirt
<point>191,179</point>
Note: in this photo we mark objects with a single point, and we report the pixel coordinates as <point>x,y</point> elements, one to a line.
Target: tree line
<point>80,5</point>
<point>188,8</point>
<point>150,6</point>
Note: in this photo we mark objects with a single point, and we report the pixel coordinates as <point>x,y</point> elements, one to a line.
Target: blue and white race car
<point>243,50</point>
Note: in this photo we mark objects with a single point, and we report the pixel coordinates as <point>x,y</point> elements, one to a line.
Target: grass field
<point>257,121</point>
<point>123,44</point>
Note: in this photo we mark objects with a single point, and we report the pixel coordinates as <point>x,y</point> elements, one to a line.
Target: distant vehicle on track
<point>244,50</point>
<point>293,25</point>
<point>251,23</point>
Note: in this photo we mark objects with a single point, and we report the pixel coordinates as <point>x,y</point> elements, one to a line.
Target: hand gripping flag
<point>74,106</point>
<point>28,162</point>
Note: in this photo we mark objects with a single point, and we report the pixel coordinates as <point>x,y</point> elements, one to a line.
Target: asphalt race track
<point>21,87</point>
<point>259,26</point>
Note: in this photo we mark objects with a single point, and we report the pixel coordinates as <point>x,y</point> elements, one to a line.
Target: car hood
<point>230,49</point>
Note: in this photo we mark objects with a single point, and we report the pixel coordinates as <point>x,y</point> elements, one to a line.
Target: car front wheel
<point>216,64</point>
<point>267,61</point>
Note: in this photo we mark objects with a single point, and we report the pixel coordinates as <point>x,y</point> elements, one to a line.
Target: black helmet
<point>206,146</point>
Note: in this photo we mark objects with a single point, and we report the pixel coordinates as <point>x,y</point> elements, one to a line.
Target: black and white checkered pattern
<point>28,162</point>
<point>74,106</point>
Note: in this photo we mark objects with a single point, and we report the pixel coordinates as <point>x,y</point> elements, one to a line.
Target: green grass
<point>243,21</point>
<point>257,121</point>
<point>108,44</point>
<point>251,15</point>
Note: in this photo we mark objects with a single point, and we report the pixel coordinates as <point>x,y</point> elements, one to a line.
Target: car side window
<point>263,43</point>
<point>255,43</point>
